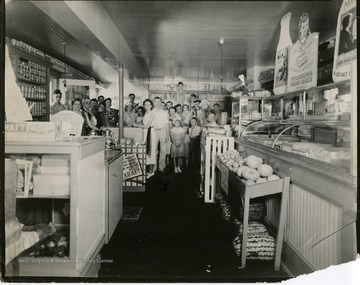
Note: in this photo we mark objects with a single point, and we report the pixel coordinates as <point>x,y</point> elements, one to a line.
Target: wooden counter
<point>321,228</point>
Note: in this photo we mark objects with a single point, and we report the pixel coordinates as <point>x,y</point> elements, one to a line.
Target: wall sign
<point>303,58</point>
<point>346,41</point>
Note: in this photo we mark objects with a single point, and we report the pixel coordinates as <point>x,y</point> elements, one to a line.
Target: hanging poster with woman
<point>346,39</point>
<point>303,59</point>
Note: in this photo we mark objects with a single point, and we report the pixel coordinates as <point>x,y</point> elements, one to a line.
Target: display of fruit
<point>265,170</point>
<point>251,169</point>
<point>273,177</point>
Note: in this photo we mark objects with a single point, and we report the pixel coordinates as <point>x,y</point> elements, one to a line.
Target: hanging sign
<point>16,108</point>
<point>303,58</point>
<point>282,56</point>
<point>345,44</point>
<point>131,166</point>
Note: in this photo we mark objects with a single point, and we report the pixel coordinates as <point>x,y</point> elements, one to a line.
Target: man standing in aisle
<point>180,93</point>
<point>160,123</point>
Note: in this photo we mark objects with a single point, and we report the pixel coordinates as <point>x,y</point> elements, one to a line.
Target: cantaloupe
<point>265,170</point>
<point>240,170</point>
<point>253,161</point>
<point>261,180</point>
<point>273,177</point>
<point>250,174</point>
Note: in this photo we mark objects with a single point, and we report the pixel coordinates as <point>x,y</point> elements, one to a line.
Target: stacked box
<point>54,179</point>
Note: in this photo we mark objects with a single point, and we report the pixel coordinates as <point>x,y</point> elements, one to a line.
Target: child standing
<point>177,136</point>
<point>194,133</point>
<point>168,144</point>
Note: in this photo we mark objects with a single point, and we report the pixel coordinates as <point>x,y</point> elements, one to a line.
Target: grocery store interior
<point>178,141</point>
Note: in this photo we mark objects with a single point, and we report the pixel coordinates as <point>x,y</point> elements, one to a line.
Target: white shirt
<point>161,118</point>
<point>148,119</point>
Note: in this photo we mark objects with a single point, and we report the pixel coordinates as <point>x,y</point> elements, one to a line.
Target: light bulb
<point>221,41</point>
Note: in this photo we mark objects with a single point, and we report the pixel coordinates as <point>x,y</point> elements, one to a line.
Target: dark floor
<point>178,238</point>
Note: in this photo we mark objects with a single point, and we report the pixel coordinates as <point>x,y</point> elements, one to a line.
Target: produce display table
<point>237,189</point>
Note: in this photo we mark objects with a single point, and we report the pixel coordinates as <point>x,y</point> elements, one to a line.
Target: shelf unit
<point>32,76</point>
<point>86,225</point>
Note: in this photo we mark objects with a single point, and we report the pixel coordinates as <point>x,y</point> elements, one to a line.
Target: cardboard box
<point>51,185</point>
<point>55,164</point>
<point>32,131</point>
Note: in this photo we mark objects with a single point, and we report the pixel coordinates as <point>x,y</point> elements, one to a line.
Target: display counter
<point>83,161</point>
<point>321,228</point>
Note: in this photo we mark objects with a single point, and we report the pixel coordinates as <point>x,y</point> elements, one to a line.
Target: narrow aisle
<point>178,237</point>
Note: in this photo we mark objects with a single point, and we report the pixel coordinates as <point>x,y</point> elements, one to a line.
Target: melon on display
<point>250,174</point>
<point>240,170</point>
<point>265,170</point>
<point>273,177</point>
<point>261,180</point>
<point>253,161</point>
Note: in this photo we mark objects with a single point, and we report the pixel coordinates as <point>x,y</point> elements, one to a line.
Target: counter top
<point>67,141</point>
<point>112,154</point>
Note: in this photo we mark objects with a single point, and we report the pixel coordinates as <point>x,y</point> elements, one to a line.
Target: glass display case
<point>331,102</point>
<point>323,141</point>
<point>245,110</point>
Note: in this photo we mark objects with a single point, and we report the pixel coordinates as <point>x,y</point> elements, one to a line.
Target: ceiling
<point>178,39</point>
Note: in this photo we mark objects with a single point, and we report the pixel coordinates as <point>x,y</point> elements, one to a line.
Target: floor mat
<point>131,213</point>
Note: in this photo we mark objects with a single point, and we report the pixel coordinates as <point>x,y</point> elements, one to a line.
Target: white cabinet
<point>114,190</point>
<point>87,207</point>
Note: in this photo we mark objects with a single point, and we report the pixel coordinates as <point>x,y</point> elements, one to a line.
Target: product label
<point>281,68</point>
<point>131,166</point>
<point>303,60</point>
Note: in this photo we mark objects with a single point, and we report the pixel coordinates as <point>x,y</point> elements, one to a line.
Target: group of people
<point>174,131</point>
<point>97,113</point>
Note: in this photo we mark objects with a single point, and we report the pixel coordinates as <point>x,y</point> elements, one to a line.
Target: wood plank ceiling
<point>178,39</point>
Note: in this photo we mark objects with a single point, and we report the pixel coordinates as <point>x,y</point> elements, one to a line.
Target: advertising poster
<point>281,68</point>
<point>131,166</point>
<point>303,58</point>
<point>346,41</point>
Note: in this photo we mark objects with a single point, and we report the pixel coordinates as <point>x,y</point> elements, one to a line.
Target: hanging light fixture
<point>221,42</point>
<point>64,81</point>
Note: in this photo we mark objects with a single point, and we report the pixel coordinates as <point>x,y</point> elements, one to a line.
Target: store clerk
<point>160,124</point>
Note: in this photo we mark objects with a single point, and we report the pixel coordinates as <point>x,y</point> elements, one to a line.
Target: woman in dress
<point>151,146</point>
<point>177,136</point>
